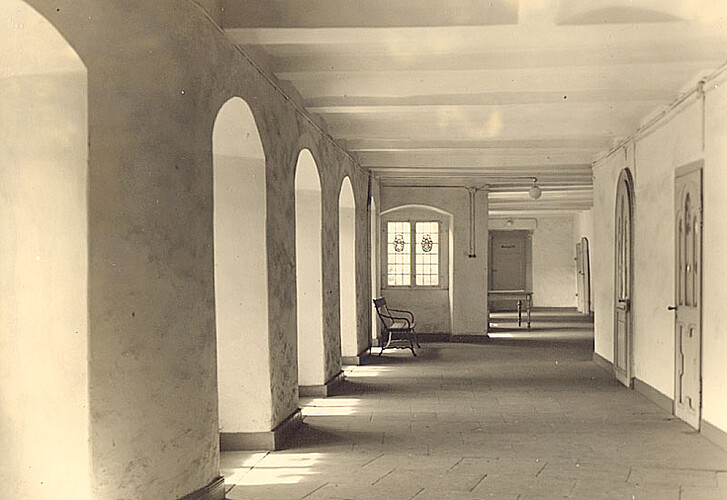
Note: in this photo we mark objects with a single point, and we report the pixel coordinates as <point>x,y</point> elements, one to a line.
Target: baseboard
<point>321,391</point>
<point>602,362</point>
<point>213,491</point>
<point>470,338</point>
<point>273,440</point>
<point>714,434</point>
<point>661,400</point>
<point>434,337</point>
<point>356,360</point>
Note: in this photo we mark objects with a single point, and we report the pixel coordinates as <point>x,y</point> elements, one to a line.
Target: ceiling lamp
<point>535,191</point>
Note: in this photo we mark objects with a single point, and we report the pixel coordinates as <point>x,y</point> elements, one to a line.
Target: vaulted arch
<point>347,268</point>
<point>241,284</point>
<point>309,271</point>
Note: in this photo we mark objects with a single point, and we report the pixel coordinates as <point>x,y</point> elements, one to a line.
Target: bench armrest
<point>393,318</point>
<point>411,315</point>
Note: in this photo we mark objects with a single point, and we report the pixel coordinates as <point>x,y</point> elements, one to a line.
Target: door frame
<point>583,270</point>
<point>682,171</point>
<point>626,377</point>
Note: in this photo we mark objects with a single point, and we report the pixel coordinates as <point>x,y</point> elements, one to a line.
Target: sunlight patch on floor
<point>366,371</point>
<point>273,469</point>
<point>330,407</point>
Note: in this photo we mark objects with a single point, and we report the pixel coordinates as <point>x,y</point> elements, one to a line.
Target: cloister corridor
<point>523,416</point>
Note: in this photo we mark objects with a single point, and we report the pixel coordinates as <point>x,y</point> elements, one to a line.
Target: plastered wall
<point>432,307</point>
<point>468,286</point>
<point>311,368</point>
<point>44,401</point>
<point>241,301</point>
<point>583,228</point>
<point>653,159</point>
<point>554,268</point>
<point>158,72</point>
<point>714,313</point>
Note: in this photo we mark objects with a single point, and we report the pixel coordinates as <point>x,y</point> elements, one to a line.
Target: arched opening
<point>309,272</point>
<point>241,284</point>
<point>347,268</point>
<point>43,260</point>
<point>375,288</point>
<point>412,278</point>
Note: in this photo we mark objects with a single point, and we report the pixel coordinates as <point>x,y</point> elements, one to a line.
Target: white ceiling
<point>473,92</point>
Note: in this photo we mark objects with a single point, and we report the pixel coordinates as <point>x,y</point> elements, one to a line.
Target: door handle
<point>671,308</point>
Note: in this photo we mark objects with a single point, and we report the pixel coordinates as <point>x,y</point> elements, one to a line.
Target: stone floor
<point>525,415</point>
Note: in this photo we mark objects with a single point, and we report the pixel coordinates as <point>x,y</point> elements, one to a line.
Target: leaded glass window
<point>412,248</point>
<point>427,253</point>
<point>398,251</point>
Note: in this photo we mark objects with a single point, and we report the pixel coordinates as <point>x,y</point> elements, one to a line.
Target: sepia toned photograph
<point>363,249</point>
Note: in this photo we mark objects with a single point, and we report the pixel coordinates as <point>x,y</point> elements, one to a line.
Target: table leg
<point>519,312</point>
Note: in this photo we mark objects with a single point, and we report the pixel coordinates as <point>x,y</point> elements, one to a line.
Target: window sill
<point>421,287</point>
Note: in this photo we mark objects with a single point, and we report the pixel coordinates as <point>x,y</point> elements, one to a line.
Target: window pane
<point>398,253</point>
<point>427,253</point>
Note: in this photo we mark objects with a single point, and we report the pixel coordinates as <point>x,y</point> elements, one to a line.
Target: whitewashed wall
<point>653,159</point>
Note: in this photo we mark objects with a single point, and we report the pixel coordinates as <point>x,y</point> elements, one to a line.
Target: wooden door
<point>509,252</point>
<point>688,313</point>
<point>579,280</point>
<point>623,274</point>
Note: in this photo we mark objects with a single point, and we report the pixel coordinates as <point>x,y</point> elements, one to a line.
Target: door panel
<point>622,280</point>
<point>508,261</point>
<point>688,283</point>
<point>579,278</point>
<point>509,255</point>
<point>584,276</point>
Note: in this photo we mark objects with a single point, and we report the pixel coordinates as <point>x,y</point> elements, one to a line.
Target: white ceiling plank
<point>417,83</point>
<point>610,95</point>
<point>420,98</point>
<point>474,158</point>
<point>389,144</point>
<point>458,39</point>
<point>318,58</point>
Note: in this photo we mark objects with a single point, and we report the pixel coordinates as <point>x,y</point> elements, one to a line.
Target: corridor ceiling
<point>473,92</point>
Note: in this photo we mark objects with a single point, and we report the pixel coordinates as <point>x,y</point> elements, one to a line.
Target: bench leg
<point>384,345</point>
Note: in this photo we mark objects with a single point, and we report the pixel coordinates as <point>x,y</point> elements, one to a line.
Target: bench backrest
<point>383,311</point>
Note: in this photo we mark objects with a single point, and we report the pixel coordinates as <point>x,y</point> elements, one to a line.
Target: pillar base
<point>213,491</point>
<point>273,440</point>
<point>356,360</point>
<point>321,391</point>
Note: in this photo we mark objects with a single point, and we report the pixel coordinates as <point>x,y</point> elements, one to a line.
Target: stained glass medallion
<point>427,243</point>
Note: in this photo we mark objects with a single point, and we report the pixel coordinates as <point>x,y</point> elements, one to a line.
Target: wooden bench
<point>398,330</point>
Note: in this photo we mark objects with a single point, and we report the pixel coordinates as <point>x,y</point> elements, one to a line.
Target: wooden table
<point>519,295</point>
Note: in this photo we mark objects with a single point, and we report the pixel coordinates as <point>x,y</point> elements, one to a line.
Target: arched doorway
<point>347,269</point>
<point>309,273</point>
<point>623,279</point>
<point>44,376</point>
<point>241,285</point>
